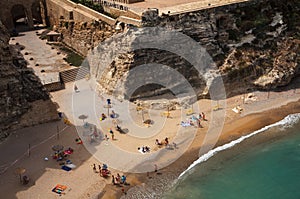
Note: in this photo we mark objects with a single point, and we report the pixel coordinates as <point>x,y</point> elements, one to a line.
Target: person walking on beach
<point>112,134</point>
<point>113,180</point>
<point>155,168</point>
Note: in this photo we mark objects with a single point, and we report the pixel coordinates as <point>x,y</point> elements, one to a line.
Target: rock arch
<point>11,10</point>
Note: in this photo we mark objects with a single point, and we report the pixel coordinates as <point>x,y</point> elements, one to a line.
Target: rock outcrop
<point>255,45</point>
<point>20,90</point>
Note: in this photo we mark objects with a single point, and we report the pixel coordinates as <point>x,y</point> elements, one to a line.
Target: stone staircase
<point>74,74</point>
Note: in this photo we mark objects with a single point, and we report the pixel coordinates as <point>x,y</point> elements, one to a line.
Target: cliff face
<point>20,90</point>
<point>255,45</point>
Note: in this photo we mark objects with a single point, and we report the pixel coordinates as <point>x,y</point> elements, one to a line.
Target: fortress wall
<point>71,11</point>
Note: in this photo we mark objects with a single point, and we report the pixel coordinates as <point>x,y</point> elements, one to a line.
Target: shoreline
<point>232,130</point>
<point>48,173</point>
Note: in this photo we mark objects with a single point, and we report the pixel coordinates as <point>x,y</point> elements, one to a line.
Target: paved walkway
<point>47,58</point>
<point>179,6</point>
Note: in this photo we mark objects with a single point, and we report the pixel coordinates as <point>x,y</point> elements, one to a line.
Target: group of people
<point>118,180</point>
<point>165,142</point>
<point>103,171</point>
<point>194,121</point>
<point>144,149</point>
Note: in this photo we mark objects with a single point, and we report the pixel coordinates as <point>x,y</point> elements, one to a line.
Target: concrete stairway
<point>73,74</point>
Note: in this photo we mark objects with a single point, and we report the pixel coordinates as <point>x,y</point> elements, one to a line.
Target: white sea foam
<point>287,122</point>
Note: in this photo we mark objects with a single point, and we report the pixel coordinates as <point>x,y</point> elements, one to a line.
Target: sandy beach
<point>27,148</point>
<point>82,182</point>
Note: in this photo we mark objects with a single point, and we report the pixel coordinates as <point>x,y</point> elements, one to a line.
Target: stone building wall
<point>81,28</point>
<point>68,10</point>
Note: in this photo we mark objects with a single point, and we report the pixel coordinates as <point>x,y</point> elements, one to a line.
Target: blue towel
<point>66,168</point>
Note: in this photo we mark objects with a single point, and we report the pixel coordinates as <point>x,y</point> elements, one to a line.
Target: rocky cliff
<point>22,94</point>
<point>255,45</point>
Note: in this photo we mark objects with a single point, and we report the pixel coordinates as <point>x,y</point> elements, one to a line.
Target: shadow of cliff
<point>27,148</point>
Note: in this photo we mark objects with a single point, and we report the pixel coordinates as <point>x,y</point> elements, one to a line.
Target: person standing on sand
<point>199,123</point>
<point>203,116</point>
<point>166,141</point>
<point>112,134</point>
<point>94,168</point>
<point>155,168</point>
<point>113,180</point>
<point>118,178</point>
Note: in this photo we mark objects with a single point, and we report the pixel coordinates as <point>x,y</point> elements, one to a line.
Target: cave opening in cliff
<point>36,13</point>
<point>19,17</point>
<point>151,90</point>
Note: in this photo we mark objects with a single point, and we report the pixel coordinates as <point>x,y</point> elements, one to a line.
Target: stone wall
<point>82,28</point>
<point>20,90</point>
<point>83,36</point>
<point>67,10</point>
<point>117,12</point>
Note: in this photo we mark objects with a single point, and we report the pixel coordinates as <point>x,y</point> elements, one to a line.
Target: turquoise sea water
<point>265,171</point>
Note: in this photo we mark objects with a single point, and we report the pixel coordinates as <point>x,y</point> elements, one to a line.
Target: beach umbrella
<point>20,171</point>
<point>83,117</point>
<point>57,147</point>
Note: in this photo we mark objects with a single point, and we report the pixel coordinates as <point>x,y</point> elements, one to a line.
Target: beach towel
<point>185,124</point>
<point>59,189</point>
<point>71,166</point>
<point>66,168</point>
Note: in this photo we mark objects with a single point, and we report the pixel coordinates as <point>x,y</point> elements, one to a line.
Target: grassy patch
<point>72,58</point>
